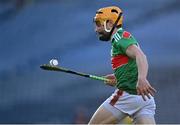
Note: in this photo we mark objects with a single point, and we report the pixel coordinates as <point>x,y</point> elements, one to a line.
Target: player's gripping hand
<point>112,80</point>
<point>144,88</point>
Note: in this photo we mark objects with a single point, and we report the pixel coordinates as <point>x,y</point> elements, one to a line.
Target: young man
<point>134,94</point>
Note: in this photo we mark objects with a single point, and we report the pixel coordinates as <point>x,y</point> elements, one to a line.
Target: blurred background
<point>34,31</point>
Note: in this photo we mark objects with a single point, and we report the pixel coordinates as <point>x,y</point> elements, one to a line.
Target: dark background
<point>34,31</point>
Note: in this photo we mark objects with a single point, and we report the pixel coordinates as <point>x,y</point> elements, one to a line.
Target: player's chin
<point>104,38</point>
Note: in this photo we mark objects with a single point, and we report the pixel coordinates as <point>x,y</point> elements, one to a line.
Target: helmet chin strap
<point>114,26</point>
<point>105,27</point>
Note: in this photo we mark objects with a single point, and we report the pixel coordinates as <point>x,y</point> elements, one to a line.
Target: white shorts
<point>132,105</point>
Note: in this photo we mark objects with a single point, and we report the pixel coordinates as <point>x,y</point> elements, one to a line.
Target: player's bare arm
<point>143,86</point>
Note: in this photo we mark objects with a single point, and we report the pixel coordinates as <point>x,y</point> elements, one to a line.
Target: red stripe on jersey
<point>118,61</point>
<point>116,97</point>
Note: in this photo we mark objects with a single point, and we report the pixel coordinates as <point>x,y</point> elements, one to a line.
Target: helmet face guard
<point>105,14</point>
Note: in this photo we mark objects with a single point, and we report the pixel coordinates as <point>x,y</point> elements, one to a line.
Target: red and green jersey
<point>124,67</point>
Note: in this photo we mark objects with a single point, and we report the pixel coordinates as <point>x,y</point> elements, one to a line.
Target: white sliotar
<point>53,62</point>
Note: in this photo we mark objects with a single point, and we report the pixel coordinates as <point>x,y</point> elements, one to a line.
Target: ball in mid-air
<point>53,62</point>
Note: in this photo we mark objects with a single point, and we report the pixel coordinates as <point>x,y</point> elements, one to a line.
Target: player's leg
<point>107,114</point>
<point>145,119</point>
<point>103,116</point>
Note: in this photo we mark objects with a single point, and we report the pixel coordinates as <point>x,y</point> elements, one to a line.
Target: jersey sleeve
<point>125,41</point>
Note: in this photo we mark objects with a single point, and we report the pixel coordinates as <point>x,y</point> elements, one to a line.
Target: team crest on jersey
<point>126,35</point>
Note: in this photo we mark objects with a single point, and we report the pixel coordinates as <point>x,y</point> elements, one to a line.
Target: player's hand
<point>145,89</point>
<point>112,80</point>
